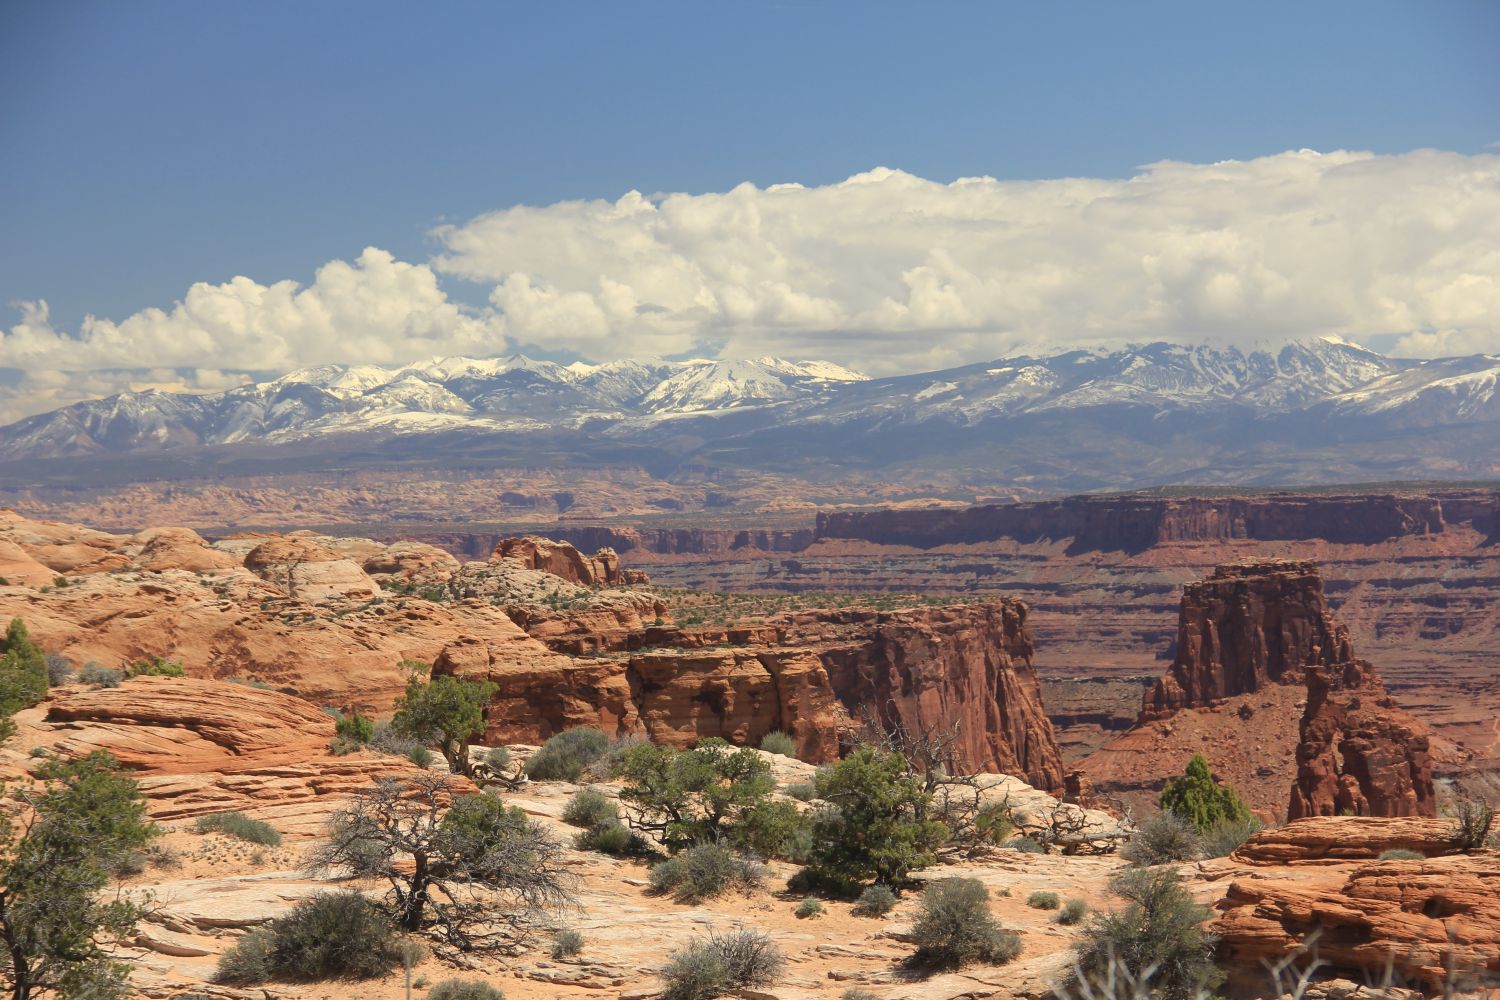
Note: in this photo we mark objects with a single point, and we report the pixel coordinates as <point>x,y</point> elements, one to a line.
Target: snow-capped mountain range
<point>1133,408</point>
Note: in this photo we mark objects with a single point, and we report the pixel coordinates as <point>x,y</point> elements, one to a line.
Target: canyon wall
<point>814,674</point>
<point>1136,523</point>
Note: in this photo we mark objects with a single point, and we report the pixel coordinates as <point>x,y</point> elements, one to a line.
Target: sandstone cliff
<point>1248,625</point>
<point>602,569</point>
<point>812,674</point>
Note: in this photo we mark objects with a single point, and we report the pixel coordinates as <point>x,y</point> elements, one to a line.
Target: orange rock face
<point>203,746</point>
<point>1324,840</point>
<point>1248,625</point>
<point>813,674</point>
<point>602,569</point>
<point>1434,923</point>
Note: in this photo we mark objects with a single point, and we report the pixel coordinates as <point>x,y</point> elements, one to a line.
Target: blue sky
<point>151,145</point>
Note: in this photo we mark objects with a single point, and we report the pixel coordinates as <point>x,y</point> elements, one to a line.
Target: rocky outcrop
<point>179,548</point>
<point>602,569</point>
<point>308,571</point>
<point>1325,840</point>
<point>1360,754</point>
<point>200,746</point>
<point>1248,625</point>
<point>814,674</point>
<point>1433,923</point>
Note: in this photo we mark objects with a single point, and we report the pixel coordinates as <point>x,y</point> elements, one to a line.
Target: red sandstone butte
<point>602,569</point>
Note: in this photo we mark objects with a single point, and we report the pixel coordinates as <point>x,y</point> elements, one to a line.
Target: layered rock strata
<point>562,560</point>
<point>816,675</point>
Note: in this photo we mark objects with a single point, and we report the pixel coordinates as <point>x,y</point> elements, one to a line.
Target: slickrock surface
<point>813,674</point>
<point>201,746</point>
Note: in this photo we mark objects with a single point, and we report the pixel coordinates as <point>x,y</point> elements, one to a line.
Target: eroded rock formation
<point>1360,753</point>
<point>813,674</point>
<point>602,569</point>
<point>1325,840</point>
<point>1248,625</point>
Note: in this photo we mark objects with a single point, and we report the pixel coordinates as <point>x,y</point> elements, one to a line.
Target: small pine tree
<point>1200,800</point>
<point>23,670</point>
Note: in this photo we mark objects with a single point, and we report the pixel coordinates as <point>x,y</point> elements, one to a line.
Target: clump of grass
<point>1072,912</point>
<point>802,791</point>
<point>778,742</point>
<point>809,908</point>
<point>875,901</point>
<point>1401,854</point>
<point>240,826</point>
<point>1041,900</point>
<point>567,944</point>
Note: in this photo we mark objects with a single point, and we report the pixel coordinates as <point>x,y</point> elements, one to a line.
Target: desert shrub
<point>157,666</point>
<point>59,668</point>
<point>697,972</point>
<point>855,993</point>
<point>771,830</point>
<point>237,824</point>
<point>1027,845</point>
<point>1401,854</point>
<point>875,901</point>
<point>247,961</point>
<point>778,742</point>
<point>1225,836</point>
<point>421,756</point>
<point>498,758</point>
<point>956,928</point>
<point>590,808</point>
<point>751,958</point>
<point>664,876</point>
<point>464,989</point>
<point>612,837</point>
<point>1200,800</point>
<point>334,935</point>
<point>809,908</point>
<point>99,676</point>
<point>876,824</point>
<point>802,791</point>
<point>565,756</point>
<point>704,872</point>
<point>1159,938</point>
<point>341,746</point>
<point>1072,912</point>
<point>568,943</point>
<point>1162,839</point>
<point>1472,820</point>
<point>993,824</point>
<point>23,670</point>
<point>1043,901</point>
<point>355,728</point>
<point>388,740</point>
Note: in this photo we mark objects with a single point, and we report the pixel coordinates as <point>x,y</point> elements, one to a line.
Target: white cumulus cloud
<point>883,272</point>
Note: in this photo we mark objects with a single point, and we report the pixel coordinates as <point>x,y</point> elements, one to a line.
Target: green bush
<point>956,928</point>
<point>1162,839</point>
<point>1072,912</point>
<point>23,670</point>
<point>59,669</point>
<point>355,728</point>
<point>464,989</point>
<point>334,935</point>
<point>875,901</point>
<point>237,824</point>
<point>697,972</point>
<point>809,908</point>
<point>778,742</point>
<point>802,791</point>
<point>156,667</point>
<point>1401,854</point>
<point>875,825</point>
<point>1200,800</point>
<point>704,872</point>
<point>421,756</point>
<point>1043,900</point>
<point>589,808</point>
<point>1158,939</point>
<point>101,677</point>
<point>567,944</point>
<point>1027,845</point>
<point>771,830</point>
<point>565,756</point>
<point>498,758</point>
<point>612,837</point>
<point>1225,836</point>
<point>695,795</point>
<point>855,993</point>
<point>248,960</point>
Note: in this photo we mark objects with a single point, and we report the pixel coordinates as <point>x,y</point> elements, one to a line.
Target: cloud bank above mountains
<point>883,272</point>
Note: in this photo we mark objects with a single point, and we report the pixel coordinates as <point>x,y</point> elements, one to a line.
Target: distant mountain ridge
<point>1316,410</point>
